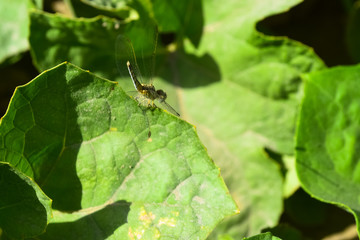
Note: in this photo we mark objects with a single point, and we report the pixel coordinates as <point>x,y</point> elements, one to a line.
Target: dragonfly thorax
<point>148,90</point>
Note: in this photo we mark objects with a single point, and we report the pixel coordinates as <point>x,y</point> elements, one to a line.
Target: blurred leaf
<point>24,209</point>
<point>249,184</point>
<point>89,43</point>
<point>327,141</point>
<point>182,17</point>
<point>287,232</point>
<point>38,4</point>
<point>112,8</point>
<point>111,4</point>
<point>14,29</point>
<point>291,183</point>
<point>91,8</point>
<point>250,106</point>
<point>86,144</point>
<point>263,236</point>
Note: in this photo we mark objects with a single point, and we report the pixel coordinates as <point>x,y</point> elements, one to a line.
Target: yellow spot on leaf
<point>131,234</point>
<point>171,222</point>
<point>146,217</point>
<point>157,234</point>
<point>139,233</point>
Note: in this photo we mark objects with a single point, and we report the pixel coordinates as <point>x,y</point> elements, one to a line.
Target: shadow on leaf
<point>190,71</point>
<point>97,226</point>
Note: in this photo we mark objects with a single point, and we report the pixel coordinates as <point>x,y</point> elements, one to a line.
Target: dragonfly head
<point>162,95</point>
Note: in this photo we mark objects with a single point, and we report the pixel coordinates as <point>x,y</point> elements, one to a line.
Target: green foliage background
<point>261,116</point>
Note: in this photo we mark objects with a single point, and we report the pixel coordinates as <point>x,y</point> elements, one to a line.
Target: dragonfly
<point>149,91</point>
<point>142,79</point>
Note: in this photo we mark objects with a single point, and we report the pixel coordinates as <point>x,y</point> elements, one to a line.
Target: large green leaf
<point>327,156</point>
<point>24,209</point>
<point>14,29</point>
<point>248,103</point>
<point>86,144</point>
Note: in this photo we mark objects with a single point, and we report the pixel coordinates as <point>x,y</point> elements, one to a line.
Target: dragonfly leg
<point>140,100</point>
<point>148,103</point>
<point>137,99</point>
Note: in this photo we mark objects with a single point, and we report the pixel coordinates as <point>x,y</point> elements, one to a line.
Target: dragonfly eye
<point>162,95</point>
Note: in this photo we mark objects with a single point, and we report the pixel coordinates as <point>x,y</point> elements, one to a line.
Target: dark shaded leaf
<point>24,209</point>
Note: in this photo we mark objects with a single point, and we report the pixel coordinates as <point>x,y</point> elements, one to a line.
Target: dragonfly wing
<point>138,46</point>
<point>151,65</point>
<point>125,53</point>
<point>169,108</point>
